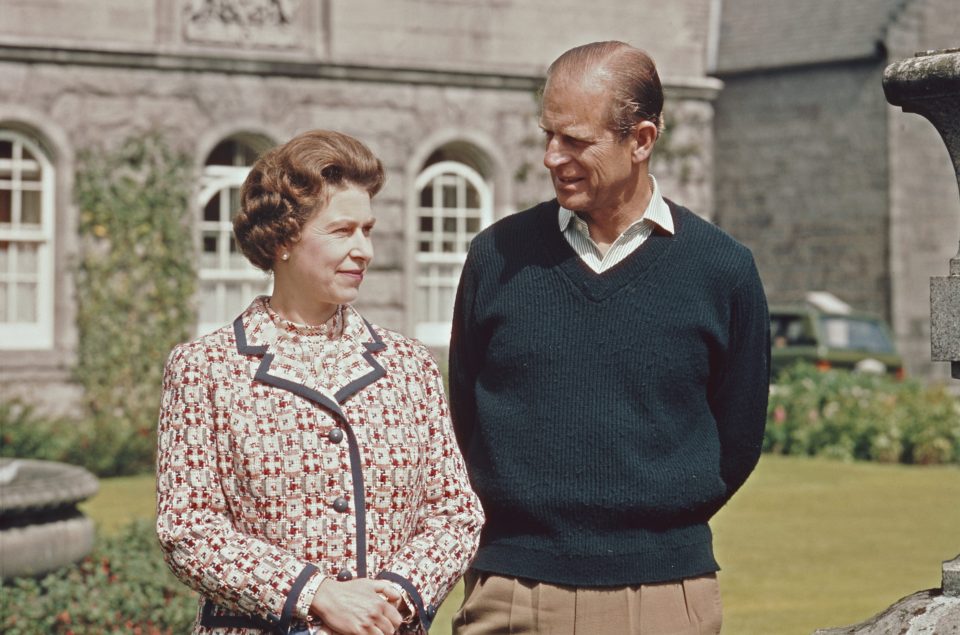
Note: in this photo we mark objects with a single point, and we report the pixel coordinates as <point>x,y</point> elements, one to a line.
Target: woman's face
<point>329,260</point>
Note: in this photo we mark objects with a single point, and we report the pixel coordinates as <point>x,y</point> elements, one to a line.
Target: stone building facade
<point>831,187</point>
<point>444,91</point>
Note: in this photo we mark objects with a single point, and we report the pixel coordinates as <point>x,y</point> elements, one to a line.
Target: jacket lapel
<point>284,364</point>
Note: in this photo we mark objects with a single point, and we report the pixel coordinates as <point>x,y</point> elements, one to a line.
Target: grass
<point>807,543</point>
<point>811,543</point>
<point>120,500</point>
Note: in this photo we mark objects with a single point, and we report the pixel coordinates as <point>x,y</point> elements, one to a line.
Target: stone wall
<point>801,178</point>
<point>466,35</point>
<point>408,77</point>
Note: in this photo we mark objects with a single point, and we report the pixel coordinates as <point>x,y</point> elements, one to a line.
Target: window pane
<point>448,247</point>
<point>473,197</point>
<point>29,171</point>
<point>449,224</point>
<point>222,154</point>
<point>473,224</point>
<point>424,247</point>
<point>30,207</point>
<point>232,152</point>
<point>426,196</point>
<point>209,259</point>
<point>449,196</point>
<point>208,303</point>
<point>26,302</point>
<point>234,202</point>
<point>423,303</point>
<point>237,259</point>
<point>4,257</point>
<point>426,223</point>
<point>6,149</point>
<point>27,258</point>
<point>236,301</point>
<point>6,206</point>
<point>211,212</point>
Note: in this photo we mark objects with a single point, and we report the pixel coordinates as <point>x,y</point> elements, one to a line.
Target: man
<point>609,369</point>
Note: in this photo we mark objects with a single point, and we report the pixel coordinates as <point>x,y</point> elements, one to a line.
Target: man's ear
<point>645,135</point>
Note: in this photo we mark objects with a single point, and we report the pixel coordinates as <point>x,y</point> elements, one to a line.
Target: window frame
<point>219,179</point>
<point>436,332</point>
<point>39,334</point>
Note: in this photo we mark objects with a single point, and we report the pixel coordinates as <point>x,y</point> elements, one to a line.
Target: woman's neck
<point>299,311</point>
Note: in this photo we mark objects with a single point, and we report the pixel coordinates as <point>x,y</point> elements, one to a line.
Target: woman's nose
<point>362,247</point>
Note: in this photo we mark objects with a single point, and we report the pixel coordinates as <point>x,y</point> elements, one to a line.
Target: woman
<point>308,478</point>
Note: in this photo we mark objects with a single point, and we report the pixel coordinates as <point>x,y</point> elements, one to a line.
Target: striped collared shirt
<point>575,230</point>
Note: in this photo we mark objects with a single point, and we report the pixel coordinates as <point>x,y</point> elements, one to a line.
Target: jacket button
<point>344,575</point>
<point>335,435</point>
<point>341,504</point>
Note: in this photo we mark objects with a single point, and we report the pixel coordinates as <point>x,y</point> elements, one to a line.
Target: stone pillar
<point>929,84</point>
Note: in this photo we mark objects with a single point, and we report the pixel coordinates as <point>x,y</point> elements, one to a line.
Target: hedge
<point>122,587</point>
<point>861,416</point>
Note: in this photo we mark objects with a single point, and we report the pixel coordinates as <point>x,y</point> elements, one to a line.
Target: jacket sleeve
<point>449,519</point>
<point>739,392</point>
<point>200,542</point>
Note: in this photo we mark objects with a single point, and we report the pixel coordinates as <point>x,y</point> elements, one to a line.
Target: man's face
<point>592,170</point>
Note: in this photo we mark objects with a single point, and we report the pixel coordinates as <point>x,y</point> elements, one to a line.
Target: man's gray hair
<point>631,75</point>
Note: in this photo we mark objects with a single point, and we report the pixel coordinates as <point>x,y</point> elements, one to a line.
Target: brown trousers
<point>498,605</point>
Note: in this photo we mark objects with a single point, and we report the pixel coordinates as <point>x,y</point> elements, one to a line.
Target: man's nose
<point>554,155</point>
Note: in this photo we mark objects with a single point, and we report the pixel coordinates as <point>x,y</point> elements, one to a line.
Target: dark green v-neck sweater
<point>604,418</point>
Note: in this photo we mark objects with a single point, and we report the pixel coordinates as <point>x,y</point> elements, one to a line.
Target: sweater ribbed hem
<point>664,564</point>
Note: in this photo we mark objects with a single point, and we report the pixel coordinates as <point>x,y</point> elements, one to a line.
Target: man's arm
<point>739,392</point>
<point>464,357</point>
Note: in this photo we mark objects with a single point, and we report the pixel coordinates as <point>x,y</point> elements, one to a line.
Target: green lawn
<point>807,543</point>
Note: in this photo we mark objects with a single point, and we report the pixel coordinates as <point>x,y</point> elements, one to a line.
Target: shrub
<point>858,416</point>
<point>135,283</point>
<point>122,587</point>
<point>27,435</point>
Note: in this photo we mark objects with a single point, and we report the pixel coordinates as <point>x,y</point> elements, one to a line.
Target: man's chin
<point>572,202</point>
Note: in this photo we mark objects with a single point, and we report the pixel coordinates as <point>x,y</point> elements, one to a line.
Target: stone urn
<point>41,528</point>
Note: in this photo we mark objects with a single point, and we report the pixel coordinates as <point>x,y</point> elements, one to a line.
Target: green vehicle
<point>842,339</point>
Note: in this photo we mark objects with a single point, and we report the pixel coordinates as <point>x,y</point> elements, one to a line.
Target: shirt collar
<point>657,212</point>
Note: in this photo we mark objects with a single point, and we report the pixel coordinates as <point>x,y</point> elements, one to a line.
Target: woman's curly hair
<point>292,182</point>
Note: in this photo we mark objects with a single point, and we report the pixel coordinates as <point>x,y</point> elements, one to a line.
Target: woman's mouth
<point>355,274</point>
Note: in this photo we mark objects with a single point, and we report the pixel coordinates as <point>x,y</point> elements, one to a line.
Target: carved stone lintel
<point>253,23</point>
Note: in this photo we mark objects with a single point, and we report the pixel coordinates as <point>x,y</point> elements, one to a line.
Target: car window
<point>789,330</point>
<point>854,334</point>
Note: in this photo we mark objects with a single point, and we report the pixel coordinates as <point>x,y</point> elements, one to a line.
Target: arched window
<point>455,203</point>
<point>228,282</point>
<point>26,244</point>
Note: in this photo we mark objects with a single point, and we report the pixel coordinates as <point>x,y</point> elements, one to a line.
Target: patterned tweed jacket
<point>270,479</point>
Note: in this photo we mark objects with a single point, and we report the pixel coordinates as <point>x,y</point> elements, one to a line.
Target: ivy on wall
<point>135,284</point>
